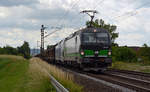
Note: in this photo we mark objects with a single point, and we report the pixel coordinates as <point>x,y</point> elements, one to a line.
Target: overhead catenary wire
<point>67,12</point>
<point>126,14</point>
<point>62,21</point>
<point>96,6</point>
<point>131,13</point>
<point>51,33</point>
<point>99,4</point>
<point>73,5</point>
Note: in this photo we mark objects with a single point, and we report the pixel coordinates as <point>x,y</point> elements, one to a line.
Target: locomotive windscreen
<point>95,38</point>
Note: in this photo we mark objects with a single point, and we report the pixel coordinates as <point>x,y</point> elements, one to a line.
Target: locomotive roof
<point>85,30</point>
<point>92,29</point>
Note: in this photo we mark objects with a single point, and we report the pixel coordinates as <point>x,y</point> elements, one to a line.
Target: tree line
<point>23,50</point>
<point>127,54</point>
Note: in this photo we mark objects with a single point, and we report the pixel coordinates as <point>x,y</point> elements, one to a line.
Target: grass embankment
<point>12,73</point>
<point>18,75</point>
<point>66,79</point>
<point>131,66</point>
<point>39,80</point>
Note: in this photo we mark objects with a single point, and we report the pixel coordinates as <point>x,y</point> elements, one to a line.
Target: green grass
<point>131,66</point>
<point>12,73</point>
<point>39,81</point>
<point>65,78</point>
<point>16,76</point>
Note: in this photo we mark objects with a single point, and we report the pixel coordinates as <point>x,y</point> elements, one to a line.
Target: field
<point>131,66</point>
<point>19,75</point>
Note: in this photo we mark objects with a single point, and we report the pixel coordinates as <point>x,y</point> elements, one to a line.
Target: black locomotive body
<point>89,49</point>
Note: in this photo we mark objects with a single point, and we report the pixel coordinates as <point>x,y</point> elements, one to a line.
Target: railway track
<point>131,83</point>
<point>137,81</point>
<point>135,74</point>
<point>119,78</point>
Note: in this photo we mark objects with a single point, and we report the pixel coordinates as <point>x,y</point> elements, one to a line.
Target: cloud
<point>4,12</point>
<point>10,3</point>
<point>133,39</point>
<point>32,18</point>
<point>141,3</point>
<point>137,27</point>
<point>16,37</point>
<point>21,19</point>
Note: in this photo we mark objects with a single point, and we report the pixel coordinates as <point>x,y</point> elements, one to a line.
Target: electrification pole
<point>37,47</point>
<point>91,15</point>
<point>42,38</point>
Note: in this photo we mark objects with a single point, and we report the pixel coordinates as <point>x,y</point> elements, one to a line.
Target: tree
<point>8,50</point>
<point>145,45</point>
<point>101,24</point>
<point>48,46</point>
<point>144,51</point>
<point>24,50</point>
<point>124,54</point>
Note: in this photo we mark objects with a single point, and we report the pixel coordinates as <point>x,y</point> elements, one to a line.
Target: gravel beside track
<point>93,86</point>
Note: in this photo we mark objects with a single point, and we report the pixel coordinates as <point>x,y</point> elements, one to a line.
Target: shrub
<point>144,52</point>
<point>124,54</point>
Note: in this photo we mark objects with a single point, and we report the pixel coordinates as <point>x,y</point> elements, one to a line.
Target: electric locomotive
<point>88,48</point>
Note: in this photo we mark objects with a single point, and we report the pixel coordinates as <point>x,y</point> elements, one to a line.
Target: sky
<point>21,20</point>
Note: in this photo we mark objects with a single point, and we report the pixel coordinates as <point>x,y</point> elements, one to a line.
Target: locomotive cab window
<point>102,38</point>
<point>95,38</point>
<point>89,38</point>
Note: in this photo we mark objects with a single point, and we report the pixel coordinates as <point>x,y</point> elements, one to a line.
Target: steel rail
<point>144,82</point>
<point>120,82</point>
<point>130,72</point>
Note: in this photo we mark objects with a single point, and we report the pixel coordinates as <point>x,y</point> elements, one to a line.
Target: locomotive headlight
<point>82,53</point>
<point>96,52</point>
<point>109,53</point>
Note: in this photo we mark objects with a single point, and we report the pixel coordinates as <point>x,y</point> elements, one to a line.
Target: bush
<point>144,52</point>
<point>145,60</point>
<point>23,50</point>
<point>123,54</point>
<point>8,50</point>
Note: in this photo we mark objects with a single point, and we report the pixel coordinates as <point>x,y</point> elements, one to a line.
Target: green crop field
<point>16,76</point>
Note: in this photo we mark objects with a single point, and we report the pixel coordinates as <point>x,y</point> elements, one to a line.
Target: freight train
<point>87,49</point>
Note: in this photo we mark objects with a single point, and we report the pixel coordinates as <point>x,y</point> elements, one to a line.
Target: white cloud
<point>130,39</point>
<point>4,12</point>
<point>136,26</point>
<point>20,21</point>
<point>11,3</point>
<point>16,37</point>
